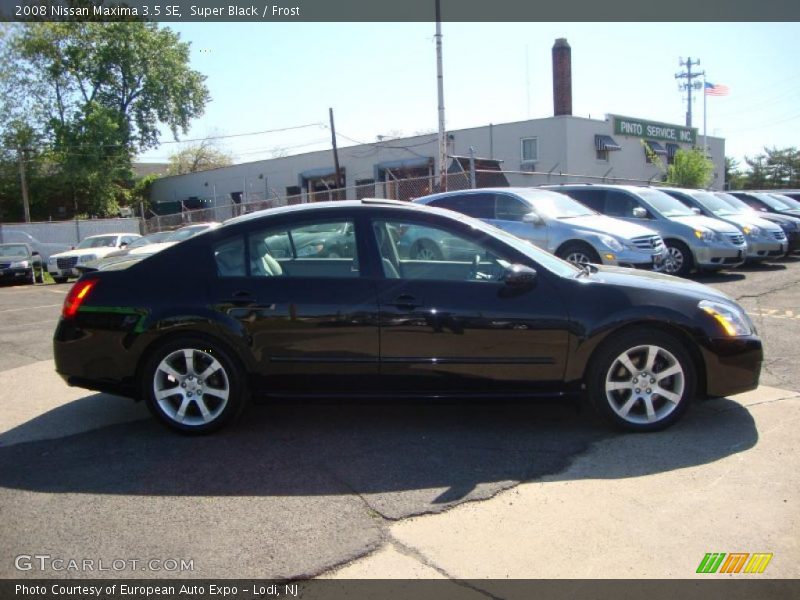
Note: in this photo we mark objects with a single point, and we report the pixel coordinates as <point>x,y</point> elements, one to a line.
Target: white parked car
<point>64,265</point>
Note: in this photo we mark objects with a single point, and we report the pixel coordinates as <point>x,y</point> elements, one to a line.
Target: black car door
<point>297,290</point>
<point>449,323</point>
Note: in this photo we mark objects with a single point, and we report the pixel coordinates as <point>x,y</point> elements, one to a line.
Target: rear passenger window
<point>325,249</point>
<point>509,208</point>
<point>594,199</point>
<point>229,257</point>
<point>479,206</point>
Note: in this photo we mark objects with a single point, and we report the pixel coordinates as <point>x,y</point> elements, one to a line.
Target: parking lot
<point>462,490</point>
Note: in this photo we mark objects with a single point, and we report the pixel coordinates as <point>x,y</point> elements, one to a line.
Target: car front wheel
<point>679,259</point>
<point>193,386</point>
<point>642,380</point>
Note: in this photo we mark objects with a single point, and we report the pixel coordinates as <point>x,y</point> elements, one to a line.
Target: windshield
<point>665,204</point>
<point>718,206</point>
<point>555,205</point>
<point>772,201</point>
<point>152,238</point>
<point>103,241</point>
<point>738,206</point>
<point>788,201</point>
<point>13,250</point>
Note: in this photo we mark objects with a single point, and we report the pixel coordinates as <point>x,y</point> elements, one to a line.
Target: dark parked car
<point>20,262</point>
<point>768,203</point>
<point>790,225</point>
<point>511,321</point>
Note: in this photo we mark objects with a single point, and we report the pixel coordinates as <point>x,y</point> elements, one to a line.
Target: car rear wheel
<point>679,259</point>
<point>642,380</point>
<point>579,254</point>
<point>193,386</point>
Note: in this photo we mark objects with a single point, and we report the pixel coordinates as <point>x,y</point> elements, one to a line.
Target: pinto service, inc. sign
<point>654,130</point>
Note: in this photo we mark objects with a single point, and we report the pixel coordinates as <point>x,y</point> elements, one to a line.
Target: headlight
<point>87,258</point>
<point>612,243</point>
<point>52,260</point>
<point>705,234</point>
<point>23,264</point>
<point>733,320</point>
<point>753,231</point>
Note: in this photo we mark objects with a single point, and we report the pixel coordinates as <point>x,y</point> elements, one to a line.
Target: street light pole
<point>440,84</point>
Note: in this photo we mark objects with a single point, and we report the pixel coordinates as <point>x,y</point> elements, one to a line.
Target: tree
<point>97,93</point>
<point>734,178</point>
<point>198,157</point>
<point>691,169</point>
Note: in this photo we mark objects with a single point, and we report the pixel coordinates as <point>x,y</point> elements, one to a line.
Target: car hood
<point>752,221</point>
<point>99,252</point>
<point>658,282</point>
<point>609,225</point>
<point>707,223</point>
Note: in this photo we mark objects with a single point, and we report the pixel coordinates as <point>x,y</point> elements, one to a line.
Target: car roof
<point>97,235</point>
<point>364,203</point>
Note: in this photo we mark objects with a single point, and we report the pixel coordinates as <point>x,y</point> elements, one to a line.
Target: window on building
<point>603,144</point>
<point>652,149</point>
<point>672,150</point>
<point>293,190</point>
<point>530,149</point>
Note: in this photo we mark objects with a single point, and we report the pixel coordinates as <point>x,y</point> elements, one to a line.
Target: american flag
<point>716,89</point>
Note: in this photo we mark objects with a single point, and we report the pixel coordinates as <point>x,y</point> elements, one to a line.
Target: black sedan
<point>20,262</point>
<point>513,321</point>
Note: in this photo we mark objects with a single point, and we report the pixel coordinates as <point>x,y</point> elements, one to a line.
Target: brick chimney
<point>562,78</point>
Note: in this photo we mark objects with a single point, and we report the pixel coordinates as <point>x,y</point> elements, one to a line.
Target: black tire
<point>571,250</point>
<point>185,397</point>
<point>60,279</point>
<point>678,251</point>
<point>425,250</point>
<point>607,380</point>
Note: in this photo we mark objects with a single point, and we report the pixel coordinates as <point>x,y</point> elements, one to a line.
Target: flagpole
<point>705,97</point>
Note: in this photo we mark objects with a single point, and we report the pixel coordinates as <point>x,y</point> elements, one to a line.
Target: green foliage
<point>775,168</point>
<point>198,157</point>
<point>690,169</point>
<point>734,178</point>
<point>81,99</point>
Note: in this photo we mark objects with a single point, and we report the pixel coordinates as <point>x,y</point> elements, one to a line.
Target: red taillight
<point>76,296</point>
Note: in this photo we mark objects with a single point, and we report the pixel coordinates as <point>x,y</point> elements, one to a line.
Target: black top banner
<point>399,10</point>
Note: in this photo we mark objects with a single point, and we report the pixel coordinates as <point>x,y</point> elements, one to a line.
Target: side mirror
<point>123,244</point>
<point>520,277</point>
<point>639,212</point>
<point>532,218</point>
<point>697,211</point>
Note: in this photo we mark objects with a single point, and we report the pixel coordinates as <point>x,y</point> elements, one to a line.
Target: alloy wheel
<point>645,384</point>
<point>675,260</point>
<point>578,258</point>
<point>191,387</point>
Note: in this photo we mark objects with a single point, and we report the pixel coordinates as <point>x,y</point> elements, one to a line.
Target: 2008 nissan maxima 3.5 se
<point>317,299</point>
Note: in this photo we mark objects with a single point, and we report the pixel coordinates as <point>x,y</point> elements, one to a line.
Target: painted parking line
<point>8,310</point>
<point>775,313</point>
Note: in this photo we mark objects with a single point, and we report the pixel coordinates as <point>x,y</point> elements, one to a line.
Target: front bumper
<point>719,255</point>
<point>638,259</point>
<point>16,274</point>
<point>762,249</point>
<point>733,365</point>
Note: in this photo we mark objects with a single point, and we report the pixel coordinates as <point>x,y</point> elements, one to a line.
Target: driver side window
<point>413,251</point>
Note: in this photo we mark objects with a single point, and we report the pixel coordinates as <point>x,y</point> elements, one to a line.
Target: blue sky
<point>380,79</point>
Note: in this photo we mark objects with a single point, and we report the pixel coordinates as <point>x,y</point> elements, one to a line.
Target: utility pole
<point>335,152</point>
<point>440,85</point>
<point>689,84</point>
<point>24,183</point>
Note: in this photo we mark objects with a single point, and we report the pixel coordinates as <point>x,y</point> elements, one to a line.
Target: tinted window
<point>508,208</point>
<point>479,206</point>
<point>413,251</point>
<point>664,203</point>
<point>620,204</point>
<point>325,249</point>
<point>230,258</point>
<point>594,199</point>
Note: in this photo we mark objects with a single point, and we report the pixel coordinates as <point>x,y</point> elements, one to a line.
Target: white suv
<point>63,265</point>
